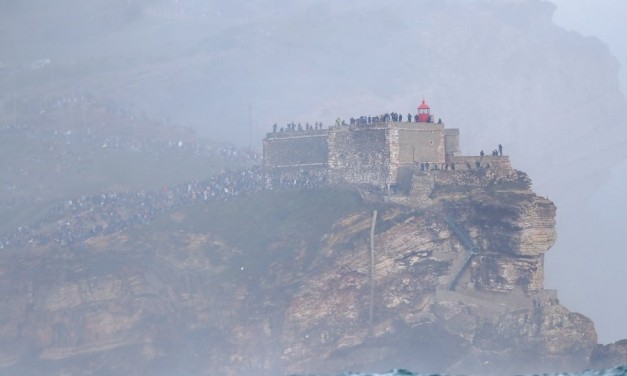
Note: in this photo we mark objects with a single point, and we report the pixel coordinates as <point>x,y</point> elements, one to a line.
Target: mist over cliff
<point>502,72</point>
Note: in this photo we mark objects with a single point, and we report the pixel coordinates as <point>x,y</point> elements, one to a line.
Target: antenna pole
<point>371,308</point>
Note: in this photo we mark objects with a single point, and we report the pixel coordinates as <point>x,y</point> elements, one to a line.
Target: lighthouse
<point>424,113</point>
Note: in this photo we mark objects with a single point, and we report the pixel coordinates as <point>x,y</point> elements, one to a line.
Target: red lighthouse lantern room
<point>424,113</point>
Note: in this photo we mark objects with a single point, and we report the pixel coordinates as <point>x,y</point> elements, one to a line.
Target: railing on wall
<point>472,248</point>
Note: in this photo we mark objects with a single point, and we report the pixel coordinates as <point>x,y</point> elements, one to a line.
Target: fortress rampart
<point>295,149</point>
<point>425,143</point>
<point>381,151</point>
<point>415,187</point>
<point>359,155</point>
<point>486,161</point>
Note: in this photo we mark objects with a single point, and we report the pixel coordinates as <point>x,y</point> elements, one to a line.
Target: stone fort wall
<point>359,154</point>
<point>373,153</point>
<point>451,141</point>
<point>412,145</point>
<point>295,149</point>
<point>500,162</point>
<point>416,143</point>
<point>415,185</point>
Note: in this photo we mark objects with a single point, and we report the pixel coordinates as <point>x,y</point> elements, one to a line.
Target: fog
<point>585,266</point>
<point>548,80</point>
<point>601,19</point>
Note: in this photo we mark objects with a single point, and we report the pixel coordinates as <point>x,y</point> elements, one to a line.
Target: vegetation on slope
<point>269,227</point>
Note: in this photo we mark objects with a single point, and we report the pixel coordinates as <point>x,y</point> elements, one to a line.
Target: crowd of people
<point>77,220</point>
<point>95,140</point>
<point>293,127</point>
<point>384,118</point>
<point>133,144</point>
<point>98,134</point>
<point>61,141</point>
<point>361,120</point>
<point>50,121</point>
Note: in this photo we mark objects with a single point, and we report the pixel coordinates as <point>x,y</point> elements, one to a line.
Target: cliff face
<point>457,287</point>
<point>434,307</point>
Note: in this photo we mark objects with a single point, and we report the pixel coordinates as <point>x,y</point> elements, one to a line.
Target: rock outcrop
<point>436,306</point>
<point>283,284</point>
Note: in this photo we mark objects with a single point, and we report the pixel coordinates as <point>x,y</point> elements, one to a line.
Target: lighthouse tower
<point>424,113</point>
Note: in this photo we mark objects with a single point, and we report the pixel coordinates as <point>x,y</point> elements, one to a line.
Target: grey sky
<point>604,19</point>
<point>588,269</point>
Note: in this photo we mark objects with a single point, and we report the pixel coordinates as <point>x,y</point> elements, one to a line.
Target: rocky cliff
<point>282,282</point>
<point>436,305</point>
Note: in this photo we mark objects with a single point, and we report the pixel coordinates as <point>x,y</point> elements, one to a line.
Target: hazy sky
<point>599,294</point>
<point>605,19</point>
<point>586,267</point>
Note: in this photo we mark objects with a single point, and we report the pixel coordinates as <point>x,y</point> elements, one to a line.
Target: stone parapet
<point>359,155</point>
<point>374,153</point>
<point>470,162</point>
<point>299,149</point>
